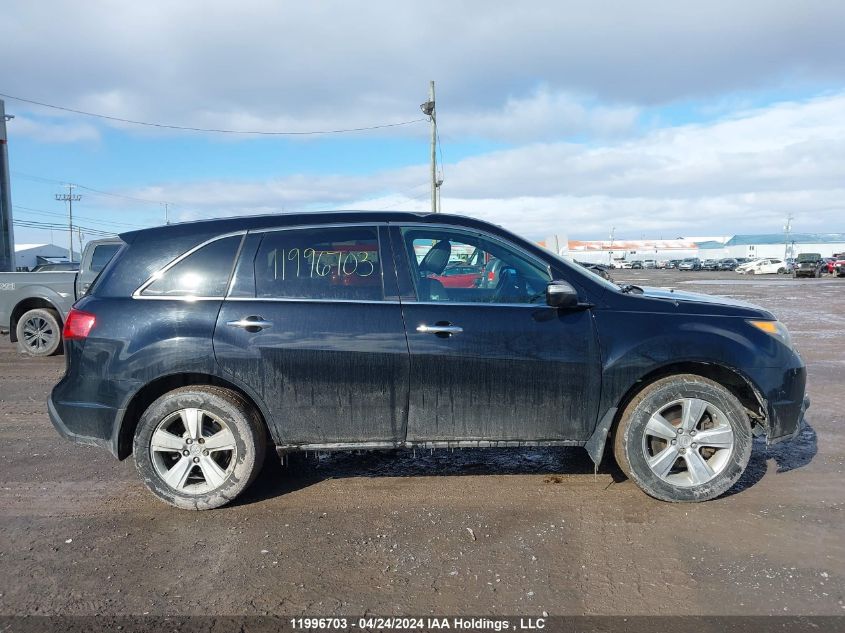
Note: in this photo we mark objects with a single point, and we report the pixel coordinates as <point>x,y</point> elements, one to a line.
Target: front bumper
<point>791,436</point>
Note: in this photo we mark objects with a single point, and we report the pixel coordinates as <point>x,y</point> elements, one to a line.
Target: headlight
<point>775,328</point>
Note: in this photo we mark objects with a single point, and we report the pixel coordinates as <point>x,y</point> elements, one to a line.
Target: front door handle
<point>439,329</point>
<point>251,323</point>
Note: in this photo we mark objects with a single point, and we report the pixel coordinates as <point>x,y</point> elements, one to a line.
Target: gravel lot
<point>480,532</point>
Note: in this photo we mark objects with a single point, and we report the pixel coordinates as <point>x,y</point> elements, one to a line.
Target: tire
<point>781,271</point>
<point>641,439</point>
<point>200,479</point>
<point>39,332</point>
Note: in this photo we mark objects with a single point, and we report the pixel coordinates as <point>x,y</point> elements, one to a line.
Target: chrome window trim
<point>304,300</point>
<point>382,223</point>
<point>161,271</point>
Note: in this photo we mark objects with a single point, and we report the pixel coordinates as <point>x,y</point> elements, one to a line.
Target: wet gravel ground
<point>483,532</point>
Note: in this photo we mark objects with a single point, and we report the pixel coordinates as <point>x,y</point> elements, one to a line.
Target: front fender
<point>636,344</point>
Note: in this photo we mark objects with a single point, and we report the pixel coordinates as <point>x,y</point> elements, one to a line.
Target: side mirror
<point>561,294</point>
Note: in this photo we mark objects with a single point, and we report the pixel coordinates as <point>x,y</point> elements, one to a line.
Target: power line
<point>32,224</point>
<point>19,174</point>
<point>210,130</point>
<point>81,217</point>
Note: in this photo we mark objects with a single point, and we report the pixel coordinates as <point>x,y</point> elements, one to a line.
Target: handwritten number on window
<point>322,263</point>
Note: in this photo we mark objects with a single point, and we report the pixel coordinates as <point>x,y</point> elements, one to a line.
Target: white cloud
<point>742,173</point>
<point>52,130</point>
<point>503,69</point>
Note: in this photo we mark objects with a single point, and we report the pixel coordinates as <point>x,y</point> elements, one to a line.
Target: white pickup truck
<point>33,305</point>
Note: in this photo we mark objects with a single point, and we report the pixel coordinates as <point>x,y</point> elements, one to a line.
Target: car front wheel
<point>683,438</point>
<point>198,448</point>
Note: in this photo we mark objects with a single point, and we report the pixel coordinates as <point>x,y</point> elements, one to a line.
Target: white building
<point>606,252</point>
<point>750,246</point>
<point>28,256</point>
<point>774,245</point>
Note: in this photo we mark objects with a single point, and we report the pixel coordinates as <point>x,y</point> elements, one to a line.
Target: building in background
<point>616,251</point>
<point>753,246</point>
<point>28,256</point>
<point>749,246</point>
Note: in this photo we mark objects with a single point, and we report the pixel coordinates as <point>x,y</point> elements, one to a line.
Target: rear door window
<point>332,263</point>
<point>204,273</point>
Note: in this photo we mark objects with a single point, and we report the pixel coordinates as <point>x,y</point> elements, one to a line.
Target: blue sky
<point>657,118</point>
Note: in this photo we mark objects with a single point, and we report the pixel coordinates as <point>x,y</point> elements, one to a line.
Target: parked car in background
<point>203,342</point>
<point>636,265</point>
<point>839,266</point>
<point>673,263</point>
<point>710,264</point>
<point>827,264</point>
<point>33,305</point>
<point>727,264</point>
<point>459,276</point>
<point>621,263</point>
<point>690,263</point>
<point>766,266</point>
<point>649,263</point>
<point>809,265</point>
<point>598,269</point>
<point>52,268</point>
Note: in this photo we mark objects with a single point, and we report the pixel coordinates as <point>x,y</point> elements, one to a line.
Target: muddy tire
<point>198,448</point>
<point>683,438</point>
<point>39,332</point>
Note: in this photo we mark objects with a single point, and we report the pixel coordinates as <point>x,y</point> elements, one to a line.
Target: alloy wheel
<point>688,442</point>
<point>193,451</point>
<point>38,333</point>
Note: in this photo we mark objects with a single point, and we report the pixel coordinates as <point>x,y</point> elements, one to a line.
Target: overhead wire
<point>187,128</point>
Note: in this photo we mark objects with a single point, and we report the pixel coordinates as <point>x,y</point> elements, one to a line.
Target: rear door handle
<point>439,329</point>
<point>251,323</point>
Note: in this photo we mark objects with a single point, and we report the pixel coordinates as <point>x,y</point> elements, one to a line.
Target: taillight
<point>78,324</point>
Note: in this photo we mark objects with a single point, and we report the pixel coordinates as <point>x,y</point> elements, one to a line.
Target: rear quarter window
<point>202,273</point>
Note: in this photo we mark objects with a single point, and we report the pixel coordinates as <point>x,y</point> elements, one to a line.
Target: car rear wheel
<point>198,448</point>
<point>39,332</point>
<point>683,438</point>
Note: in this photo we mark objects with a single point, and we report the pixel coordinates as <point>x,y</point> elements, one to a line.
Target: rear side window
<point>102,255</point>
<point>203,273</point>
<point>323,263</point>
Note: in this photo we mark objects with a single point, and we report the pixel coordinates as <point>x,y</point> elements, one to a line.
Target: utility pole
<point>610,254</point>
<point>786,229</point>
<point>70,198</point>
<point>429,110</point>
<point>7,236</point>
<point>79,233</point>
<point>166,213</point>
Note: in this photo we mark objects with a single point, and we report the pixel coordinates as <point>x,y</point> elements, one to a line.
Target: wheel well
<point>25,306</point>
<point>157,388</point>
<point>730,379</point>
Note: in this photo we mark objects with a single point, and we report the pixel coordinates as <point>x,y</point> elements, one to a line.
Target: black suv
<point>201,342</point>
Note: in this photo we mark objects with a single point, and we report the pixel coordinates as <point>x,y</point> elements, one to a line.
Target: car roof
<point>281,220</point>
